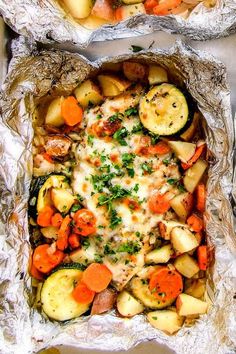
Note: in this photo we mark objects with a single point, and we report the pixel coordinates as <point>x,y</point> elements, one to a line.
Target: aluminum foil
<point>23,329</point>
<point>45,21</point>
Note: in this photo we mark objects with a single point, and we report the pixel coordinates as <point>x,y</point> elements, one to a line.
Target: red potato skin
<point>103,302</point>
<point>103,9</point>
<point>162,230</point>
<point>188,203</point>
<point>134,71</point>
<point>178,304</point>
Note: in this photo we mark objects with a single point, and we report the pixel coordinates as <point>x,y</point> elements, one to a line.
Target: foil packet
<point>45,21</point>
<point>34,74</point>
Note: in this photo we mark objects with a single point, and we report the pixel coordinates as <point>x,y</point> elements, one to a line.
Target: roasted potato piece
<point>112,85</point>
<point>87,93</point>
<point>127,305</point>
<point>166,320</point>
<point>129,11</point>
<point>190,131</point>
<point>157,75</point>
<point>160,255</point>
<point>188,305</point>
<point>184,151</point>
<point>195,287</point>
<point>57,146</point>
<point>183,240</point>
<point>79,9</point>
<point>182,205</point>
<point>53,116</point>
<point>166,226</point>
<point>194,175</point>
<point>62,199</point>
<point>103,302</point>
<point>134,71</point>
<point>186,265</point>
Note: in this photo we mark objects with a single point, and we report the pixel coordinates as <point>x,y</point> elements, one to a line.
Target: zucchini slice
<point>141,291</point>
<point>164,110</point>
<point>44,196</point>
<point>57,301</point>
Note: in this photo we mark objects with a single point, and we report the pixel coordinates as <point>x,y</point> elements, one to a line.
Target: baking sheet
<point>223,49</point>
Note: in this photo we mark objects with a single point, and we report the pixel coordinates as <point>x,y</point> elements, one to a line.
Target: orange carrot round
<point>165,8</point>
<point>71,111</point>
<point>35,273</point>
<point>47,157</point>
<point>195,157</point>
<point>202,257</point>
<point>166,284</point>
<point>150,4</point>
<point>160,148</point>
<point>44,216</point>
<point>63,233</point>
<point>97,277</point>
<point>85,222</point>
<point>56,220</point>
<point>159,203</point>
<point>44,260</point>
<point>74,241</point>
<point>195,223</point>
<point>201,197</point>
<point>82,294</point>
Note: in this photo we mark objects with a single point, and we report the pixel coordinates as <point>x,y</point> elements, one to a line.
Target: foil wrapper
<point>45,21</point>
<point>24,330</point>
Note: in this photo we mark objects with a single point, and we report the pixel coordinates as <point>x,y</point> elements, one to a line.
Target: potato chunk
<point>182,205</point>
<point>160,255</point>
<point>112,85</point>
<point>79,9</point>
<point>87,93</point>
<point>183,240</point>
<point>127,305</point>
<point>166,320</point>
<point>194,175</point>
<point>157,75</point>
<point>53,116</point>
<point>186,265</point>
<point>188,305</point>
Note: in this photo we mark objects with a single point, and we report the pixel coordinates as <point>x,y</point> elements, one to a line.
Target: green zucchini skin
<point>165,110</point>
<point>56,295</point>
<point>35,187</point>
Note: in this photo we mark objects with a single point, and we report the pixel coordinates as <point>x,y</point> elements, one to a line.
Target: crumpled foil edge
<point>23,329</point>
<point>45,21</point>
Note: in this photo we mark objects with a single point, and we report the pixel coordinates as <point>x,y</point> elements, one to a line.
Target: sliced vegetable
<point>88,93</point>
<point>164,110</point>
<point>44,195</point>
<point>63,233</point>
<point>195,287</point>
<point>165,7</point>
<point>56,295</point>
<point>45,259</point>
<point>85,222</point>
<point>124,12</point>
<point>112,85</point>
<point>186,265</point>
<point>50,232</point>
<point>159,203</point>
<point>127,305</point>
<point>103,302</point>
<point>35,273</point>
<point>57,146</point>
<point>201,197</point>
<point>188,134</point>
<point>202,257</point>
<point>160,255</point>
<point>166,226</point>
<point>81,9</point>
<point>182,205</point>
<point>62,199</point>
<point>188,305</point>
<point>97,277</point>
<point>53,116</point>
<point>157,75</point>
<point>194,158</point>
<point>166,284</point>
<point>183,240</point>
<point>184,151</point>
<point>74,241</point>
<point>134,71</point>
<point>166,320</point>
<point>71,112</point>
<point>141,291</point>
<point>194,174</point>
<point>82,294</point>
<point>56,220</point>
<point>103,9</point>
<point>195,223</point>
<point>44,216</point>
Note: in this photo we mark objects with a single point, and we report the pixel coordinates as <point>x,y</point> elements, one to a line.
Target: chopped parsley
<point>132,111</point>
<point>146,167</point>
<point>90,140</point>
<point>128,160</point>
<point>115,220</point>
<point>130,247</point>
<point>136,187</point>
<point>172,181</point>
<point>136,48</point>
<point>137,128</point>
<point>75,207</point>
<point>177,183</point>
<point>166,162</point>
<point>119,136</point>
<point>85,243</point>
<point>108,250</point>
<point>98,258</point>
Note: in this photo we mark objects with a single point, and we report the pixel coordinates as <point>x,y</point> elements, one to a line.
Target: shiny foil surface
<point>45,21</point>
<point>23,329</point>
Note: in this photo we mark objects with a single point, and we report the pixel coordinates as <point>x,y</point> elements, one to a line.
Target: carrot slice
<point>165,7</point>
<point>63,233</point>
<point>159,203</point>
<point>195,223</point>
<point>150,4</point>
<point>56,220</point>
<point>74,241</point>
<point>83,294</point>
<point>44,216</point>
<point>195,157</point>
<point>71,111</point>
<point>34,272</point>
<point>85,222</point>
<point>119,14</point>
<point>97,277</point>
<point>44,260</point>
<point>166,284</point>
<point>160,148</point>
<point>202,257</point>
<point>201,197</point>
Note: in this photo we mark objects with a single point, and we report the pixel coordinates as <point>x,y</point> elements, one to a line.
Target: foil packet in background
<point>23,329</point>
<point>45,21</point>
